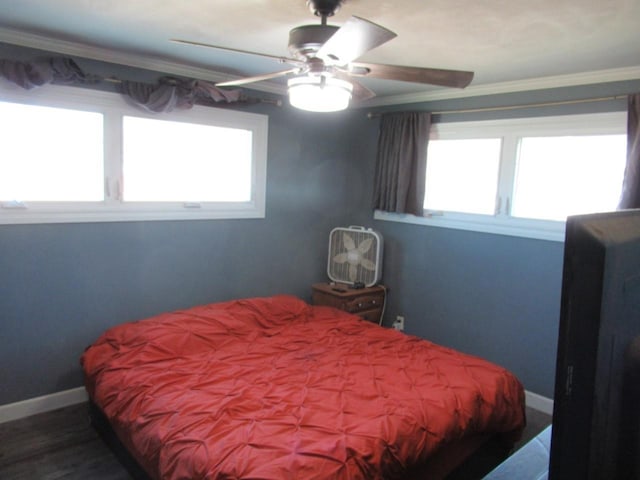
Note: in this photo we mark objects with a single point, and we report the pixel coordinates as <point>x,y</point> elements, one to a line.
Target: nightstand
<point>365,302</point>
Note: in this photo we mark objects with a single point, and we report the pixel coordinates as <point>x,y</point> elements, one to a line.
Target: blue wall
<point>489,295</point>
<point>494,296</point>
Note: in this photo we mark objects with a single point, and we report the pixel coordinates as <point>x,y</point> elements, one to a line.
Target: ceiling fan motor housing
<point>306,40</point>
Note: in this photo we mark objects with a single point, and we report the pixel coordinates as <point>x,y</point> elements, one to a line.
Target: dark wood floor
<point>63,445</point>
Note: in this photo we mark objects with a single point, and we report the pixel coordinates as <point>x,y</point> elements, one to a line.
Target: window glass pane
<point>569,175</point>
<point>182,162</point>
<point>50,154</point>
<point>462,175</point>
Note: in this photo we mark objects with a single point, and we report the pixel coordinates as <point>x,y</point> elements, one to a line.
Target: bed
<point>274,388</point>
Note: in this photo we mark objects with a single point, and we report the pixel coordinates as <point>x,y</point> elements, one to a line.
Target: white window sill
<point>102,212</point>
<point>499,225</point>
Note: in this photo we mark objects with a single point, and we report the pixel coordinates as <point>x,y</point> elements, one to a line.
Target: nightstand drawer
<point>365,302</point>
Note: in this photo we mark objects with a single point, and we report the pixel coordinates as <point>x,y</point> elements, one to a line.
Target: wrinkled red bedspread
<point>273,388</point>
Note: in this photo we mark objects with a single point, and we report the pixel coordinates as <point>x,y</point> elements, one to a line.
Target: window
<point>472,192</point>
<point>167,161</point>
<point>522,177</point>
<point>50,154</point>
<point>75,155</point>
<point>568,175</point>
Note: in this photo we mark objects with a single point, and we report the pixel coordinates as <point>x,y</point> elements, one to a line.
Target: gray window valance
<point>59,70</point>
<point>166,95</point>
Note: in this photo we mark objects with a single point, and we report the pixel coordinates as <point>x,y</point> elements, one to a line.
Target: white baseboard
<point>26,408</point>
<point>538,402</point>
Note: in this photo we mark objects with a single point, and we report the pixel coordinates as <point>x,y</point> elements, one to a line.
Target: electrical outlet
<point>398,323</point>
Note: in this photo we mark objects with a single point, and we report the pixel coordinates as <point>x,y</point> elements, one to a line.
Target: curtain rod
<point>517,107</point>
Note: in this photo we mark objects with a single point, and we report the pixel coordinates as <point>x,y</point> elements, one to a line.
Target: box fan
<point>355,256</point>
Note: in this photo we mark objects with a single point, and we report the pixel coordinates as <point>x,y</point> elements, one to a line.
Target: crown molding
<point>542,83</point>
<point>40,42</point>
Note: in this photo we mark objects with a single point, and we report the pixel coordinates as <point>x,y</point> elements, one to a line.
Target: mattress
<point>274,388</point>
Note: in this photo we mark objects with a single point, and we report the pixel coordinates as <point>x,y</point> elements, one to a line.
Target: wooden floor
<point>62,444</point>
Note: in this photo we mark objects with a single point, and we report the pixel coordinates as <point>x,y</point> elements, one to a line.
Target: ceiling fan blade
<point>293,61</point>
<point>431,76</point>
<point>352,40</point>
<point>257,78</point>
<point>360,93</point>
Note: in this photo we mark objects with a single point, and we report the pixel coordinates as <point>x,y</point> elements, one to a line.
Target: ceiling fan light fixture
<point>319,93</point>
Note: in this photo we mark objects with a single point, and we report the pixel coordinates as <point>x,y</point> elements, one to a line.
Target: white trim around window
<point>515,227</point>
<point>502,223</point>
<point>114,107</point>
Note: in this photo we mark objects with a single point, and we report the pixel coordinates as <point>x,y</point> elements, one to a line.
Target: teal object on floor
<point>531,462</point>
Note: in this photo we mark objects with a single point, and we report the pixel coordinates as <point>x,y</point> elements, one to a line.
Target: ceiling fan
<point>324,66</point>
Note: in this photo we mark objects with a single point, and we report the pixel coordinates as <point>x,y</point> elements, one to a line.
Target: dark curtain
<point>168,94</point>
<point>631,188</point>
<point>51,70</point>
<point>401,162</point>
<point>171,93</point>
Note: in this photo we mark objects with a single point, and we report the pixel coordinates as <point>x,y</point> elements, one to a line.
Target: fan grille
<point>355,256</point>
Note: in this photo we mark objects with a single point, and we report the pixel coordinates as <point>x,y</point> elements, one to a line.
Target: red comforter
<point>272,388</point>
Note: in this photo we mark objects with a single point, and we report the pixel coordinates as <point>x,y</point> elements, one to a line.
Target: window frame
<point>510,130</point>
<point>114,107</point>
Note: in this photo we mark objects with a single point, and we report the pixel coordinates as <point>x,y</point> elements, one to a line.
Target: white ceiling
<point>504,42</point>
